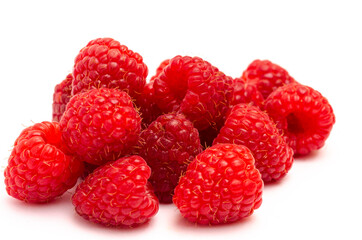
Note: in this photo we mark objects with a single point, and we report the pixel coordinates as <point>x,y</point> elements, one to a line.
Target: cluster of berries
<point>191,135</point>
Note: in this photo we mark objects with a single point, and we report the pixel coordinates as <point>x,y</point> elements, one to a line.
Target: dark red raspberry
<point>146,101</point>
<point>303,115</point>
<point>244,92</point>
<point>61,96</point>
<point>117,194</point>
<point>221,185</point>
<point>195,88</point>
<point>104,62</point>
<point>100,125</point>
<point>249,126</point>
<point>147,106</point>
<point>267,76</point>
<point>38,169</point>
<point>168,145</point>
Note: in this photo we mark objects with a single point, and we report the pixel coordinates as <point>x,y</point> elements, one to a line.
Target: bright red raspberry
<point>100,125</point>
<point>168,145</point>
<point>221,185</point>
<point>195,88</point>
<point>117,194</point>
<point>249,126</point>
<point>267,76</point>
<point>303,115</point>
<point>38,168</point>
<point>61,96</point>
<point>104,62</point>
<point>244,92</point>
<point>160,68</point>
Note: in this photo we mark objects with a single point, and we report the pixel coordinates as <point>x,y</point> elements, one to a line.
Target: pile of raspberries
<point>191,136</point>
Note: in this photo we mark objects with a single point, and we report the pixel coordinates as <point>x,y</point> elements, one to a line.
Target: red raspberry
<point>220,186</point>
<point>104,62</point>
<point>38,169</point>
<point>100,125</point>
<point>146,101</point>
<point>160,68</point>
<point>195,88</point>
<point>244,92</point>
<point>117,194</point>
<point>61,96</point>
<point>267,76</point>
<point>304,116</point>
<point>248,125</point>
<point>168,145</point>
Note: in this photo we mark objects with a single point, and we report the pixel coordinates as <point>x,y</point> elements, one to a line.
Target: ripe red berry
<point>38,168</point>
<point>100,125</point>
<point>61,96</point>
<point>117,194</point>
<point>195,88</point>
<point>104,62</point>
<point>168,145</point>
<point>244,92</point>
<point>221,185</point>
<point>248,125</point>
<point>303,115</point>
<point>267,76</point>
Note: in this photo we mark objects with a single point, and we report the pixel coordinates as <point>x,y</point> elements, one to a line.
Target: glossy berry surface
<point>303,115</point>
<point>221,185</point>
<point>100,125</point>
<point>105,63</point>
<point>194,88</point>
<point>168,145</point>
<point>38,169</point>
<point>249,126</point>
<point>117,194</point>
<point>244,92</point>
<point>61,96</point>
<point>267,76</point>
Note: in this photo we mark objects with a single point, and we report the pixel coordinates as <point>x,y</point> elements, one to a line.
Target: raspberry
<point>38,168</point>
<point>195,88</point>
<point>100,125</point>
<point>61,96</point>
<point>248,125</point>
<point>221,185</point>
<point>168,145</point>
<point>267,76</point>
<point>146,101</point>
<point>104,62</point>
<point>304,116</point>
<point>117,194</point>
<point>244,92</point>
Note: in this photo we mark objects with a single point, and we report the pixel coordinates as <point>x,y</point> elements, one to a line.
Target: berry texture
<point>267,76</point>
<point>220,186</point>
<point>304,116</point>
<point>195,88</point>
<point>117,194</point>
<point>146,101</point>
<point>100,125</point>
<point>147,106</point>
<point>168,145</point>
<point>105,63</point>
<point>38,168</point>
<point>62,94</point>
<point>244,92</point>
<point>249,126</point>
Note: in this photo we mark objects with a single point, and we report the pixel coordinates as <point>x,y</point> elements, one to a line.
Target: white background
<point>318,42</point>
